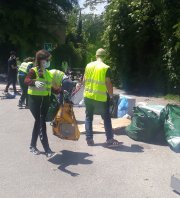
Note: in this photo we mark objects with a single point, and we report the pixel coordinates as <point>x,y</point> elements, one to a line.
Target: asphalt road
<point>132,170</point>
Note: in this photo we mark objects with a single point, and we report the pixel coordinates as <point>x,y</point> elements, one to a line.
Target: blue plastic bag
<point>122,107</point>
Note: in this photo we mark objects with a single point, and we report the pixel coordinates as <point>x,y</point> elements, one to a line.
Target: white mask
<point>47,64</point>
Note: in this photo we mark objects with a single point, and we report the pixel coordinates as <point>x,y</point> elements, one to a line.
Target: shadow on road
<point>176,192</point>
<point>68,158</point>
<point>94,132</point>
<point>134,148</point>
<point>80,122</point>
<point>158,140</point>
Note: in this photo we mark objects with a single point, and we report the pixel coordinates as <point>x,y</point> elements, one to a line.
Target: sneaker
<point>90,142</point>
<point>113,142</point>
<point>34,150</point>
<point>49,153</point>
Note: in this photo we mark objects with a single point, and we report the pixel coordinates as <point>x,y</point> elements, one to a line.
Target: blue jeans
<point>100,108</point>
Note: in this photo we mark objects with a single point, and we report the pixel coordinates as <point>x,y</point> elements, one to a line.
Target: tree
<point>143,43</point>
<point>28,24</point>
<point>74,50</point>
<point>93,3</point>
<point>93,31</point>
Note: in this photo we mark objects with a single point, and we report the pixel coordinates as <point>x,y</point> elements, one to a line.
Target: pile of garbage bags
<point>146,125</point>
<point>170,118</point>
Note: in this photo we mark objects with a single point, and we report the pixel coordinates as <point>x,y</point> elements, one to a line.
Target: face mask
<point>13,57</point>
<point>47,64</point>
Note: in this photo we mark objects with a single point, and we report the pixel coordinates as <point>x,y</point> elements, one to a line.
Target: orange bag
<point>65,125</point>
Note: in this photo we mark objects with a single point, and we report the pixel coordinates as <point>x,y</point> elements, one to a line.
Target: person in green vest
<point>98,93</point>
<point>39,80</point>
<point>57,78</point>
<point>62,83</point>
<point>23,70</point>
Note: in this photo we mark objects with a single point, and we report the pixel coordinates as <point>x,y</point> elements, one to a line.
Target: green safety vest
<point>95,81</point>
<point>57,77</point>
<point>24,66</point>
<point>43,91</point>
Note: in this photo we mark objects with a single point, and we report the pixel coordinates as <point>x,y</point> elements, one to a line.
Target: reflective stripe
<point>44,81</point>
<point>40,89</point>
<point>95,91</point>
<point>95,81</point>
<point>23,67</point>
<point>57,78</point>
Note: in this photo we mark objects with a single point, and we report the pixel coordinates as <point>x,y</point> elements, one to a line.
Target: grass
<point>172,97</point>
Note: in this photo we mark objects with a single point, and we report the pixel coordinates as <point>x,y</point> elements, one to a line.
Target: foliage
<point>75,57</point>
<point>83,38</point>
<point>142,38</point>
<point>74,50</point>
<point>93,31</point>
<point>28,24</point>
<point>173,97</point>
<point>93,3</point>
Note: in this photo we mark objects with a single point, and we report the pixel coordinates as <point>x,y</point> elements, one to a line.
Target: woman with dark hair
<point>39,81</point>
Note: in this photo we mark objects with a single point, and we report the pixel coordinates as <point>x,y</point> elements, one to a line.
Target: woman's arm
<point>29,80</point>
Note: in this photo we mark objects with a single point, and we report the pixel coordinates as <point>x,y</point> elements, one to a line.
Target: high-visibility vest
<point>95,81</point>
<point>46,89</point>
<point>57,77</point>
<point>24,66</point>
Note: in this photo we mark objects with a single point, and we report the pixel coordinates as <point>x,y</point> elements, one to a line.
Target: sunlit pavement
<point>132,170</point>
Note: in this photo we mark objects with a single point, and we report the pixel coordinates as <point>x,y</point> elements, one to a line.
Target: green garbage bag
<point>145,125</point>
<point>53,108</point>
<point>170,117</point>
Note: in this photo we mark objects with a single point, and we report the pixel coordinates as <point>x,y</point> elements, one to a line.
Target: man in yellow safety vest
<point>97,96</point>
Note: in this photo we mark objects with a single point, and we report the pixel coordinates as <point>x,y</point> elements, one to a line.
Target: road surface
<point>132,170</point>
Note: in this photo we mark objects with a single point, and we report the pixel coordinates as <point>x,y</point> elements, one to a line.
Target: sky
<point>100,8</point>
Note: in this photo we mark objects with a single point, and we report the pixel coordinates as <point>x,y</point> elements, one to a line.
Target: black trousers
<point>12,79</point>
<point>24,89</point>
<point>39,107</point>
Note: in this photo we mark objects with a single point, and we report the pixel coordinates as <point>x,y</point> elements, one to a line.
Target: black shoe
<point>34,150</point>
<point>90,142</point>
<point>20,105</point>
<point>5,91</point>
<point>50,153</point>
